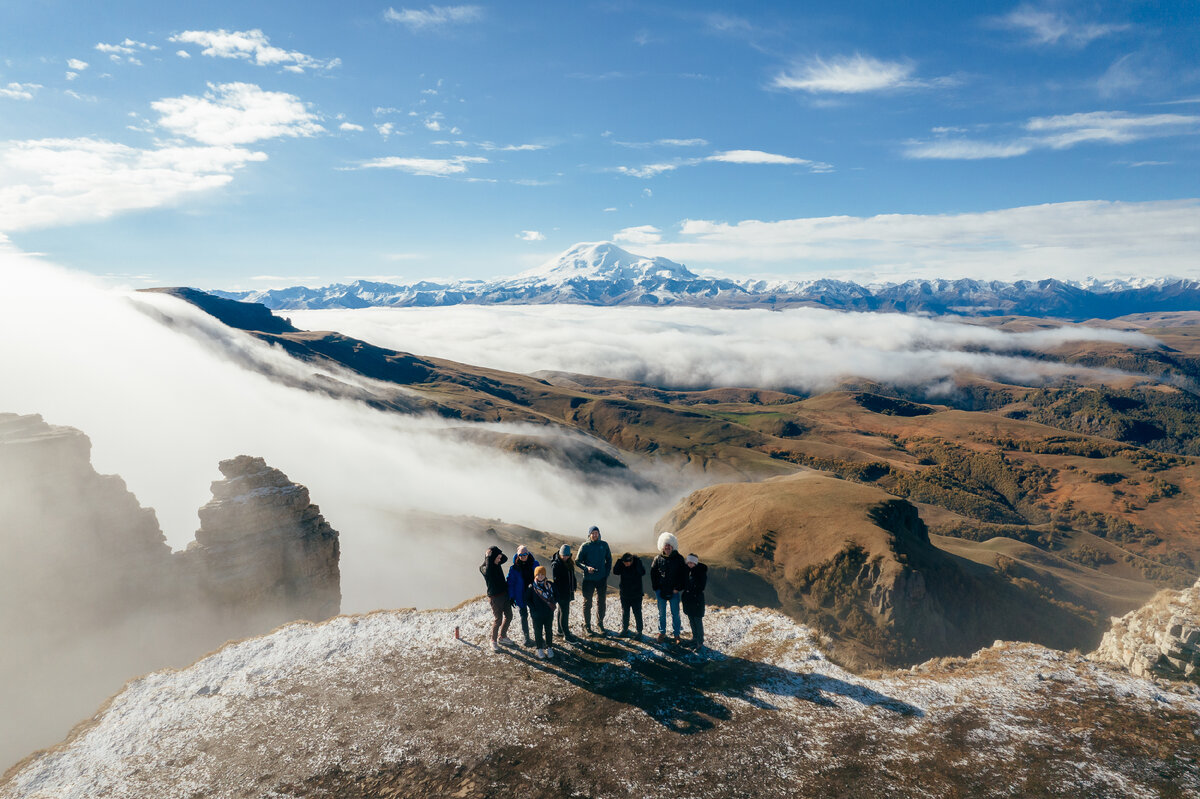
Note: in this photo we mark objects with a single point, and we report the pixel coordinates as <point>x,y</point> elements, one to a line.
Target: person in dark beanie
<point>595,561</point>
<point>666,578</point>
<point>520,575</point>
<point>692,598</point>
<point>562,569</point>
<point>631,570</point>
<point>539,597</point>
<point>497,594</point>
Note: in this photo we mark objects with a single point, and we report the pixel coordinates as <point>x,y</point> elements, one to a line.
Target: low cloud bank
<point>806,349</point>
<point>162,408</point>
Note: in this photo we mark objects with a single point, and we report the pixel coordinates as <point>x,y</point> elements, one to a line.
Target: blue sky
<point>254,145</point>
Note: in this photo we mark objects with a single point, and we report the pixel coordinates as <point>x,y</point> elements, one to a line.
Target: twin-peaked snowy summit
<point>603,260</point>
<point>602,273</point>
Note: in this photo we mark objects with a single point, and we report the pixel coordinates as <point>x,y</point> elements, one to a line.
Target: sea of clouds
<point>801,349</point>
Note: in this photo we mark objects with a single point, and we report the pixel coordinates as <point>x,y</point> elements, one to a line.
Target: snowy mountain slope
<point>601,273</point>
<point>390,704</point>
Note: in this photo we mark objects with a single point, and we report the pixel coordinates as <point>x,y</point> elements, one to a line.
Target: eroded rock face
<point>1161,639</point>
<point>92,595</point>
<point>264,547</point>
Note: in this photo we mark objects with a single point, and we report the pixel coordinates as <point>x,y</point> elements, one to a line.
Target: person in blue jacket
<point>520,577</point>
<point>595,561</point>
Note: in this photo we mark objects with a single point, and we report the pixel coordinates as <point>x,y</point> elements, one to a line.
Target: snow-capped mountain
<point>601,273</point>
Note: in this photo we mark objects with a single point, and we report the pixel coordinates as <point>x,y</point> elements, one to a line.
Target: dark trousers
<point>697,623</point>
<point>501,615</point>
<point>633,605</point>
<point>564,614</point>
<point>543,632</point>
<point>524,620</point>
<point>599,588</point>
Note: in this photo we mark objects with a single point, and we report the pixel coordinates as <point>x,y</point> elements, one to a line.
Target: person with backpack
<point>595,561</point>
<point>540,599</point>
<point>631,570</point>
<point>497,594</point>
<point>667,573</point>
<point>692,598</point>
<point>520,575</point>
<point>562,569</point>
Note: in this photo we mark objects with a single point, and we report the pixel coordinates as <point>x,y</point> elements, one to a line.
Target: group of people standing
<point>543,596</point>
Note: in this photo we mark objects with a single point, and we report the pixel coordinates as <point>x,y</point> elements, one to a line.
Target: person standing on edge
<point>667,574</point>
<point>562,569</point>
<point>631,570</point>
<point>539,596</point>
<point>520,575</point>
<point>693,598</point>
<point>497,594</point>
<point>595,561</point>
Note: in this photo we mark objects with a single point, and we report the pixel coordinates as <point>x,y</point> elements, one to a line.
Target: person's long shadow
<point>684,692</point>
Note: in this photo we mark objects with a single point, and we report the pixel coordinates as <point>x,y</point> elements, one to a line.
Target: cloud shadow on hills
<point>684,693</point>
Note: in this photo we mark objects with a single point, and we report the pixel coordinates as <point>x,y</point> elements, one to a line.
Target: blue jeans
<point>662,613</point>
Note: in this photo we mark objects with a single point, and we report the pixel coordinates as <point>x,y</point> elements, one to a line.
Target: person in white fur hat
<point>668,573</point>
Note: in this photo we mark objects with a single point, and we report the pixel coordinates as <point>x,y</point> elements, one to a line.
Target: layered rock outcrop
<point>263,547</point>
<point>87,577</point>
<point>1161,639</point>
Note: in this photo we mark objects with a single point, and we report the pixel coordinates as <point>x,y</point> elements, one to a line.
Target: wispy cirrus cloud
<point>434,16</point>
<point>1043,26</point>
<point>644,145</point>
<point>52,182</point>
<point>854,74</point>
<point>236,113</point>
<point>1059,133</point>
<point>727,157</point>
<point>19,91</point>
<point>429,167</point>
<point>253,46</point>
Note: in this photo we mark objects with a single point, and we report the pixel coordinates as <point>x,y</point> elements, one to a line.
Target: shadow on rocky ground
<point>683,690</point>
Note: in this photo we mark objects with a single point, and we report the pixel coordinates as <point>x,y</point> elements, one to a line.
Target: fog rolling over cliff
<point>165,392</point>
<point>91,594</point>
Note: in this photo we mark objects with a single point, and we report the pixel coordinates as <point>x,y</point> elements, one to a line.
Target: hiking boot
<point>662,637</point>
<point>504,640</point>
<point>624,633</point>
<point>541,653</point>
<point>570,638</point>
<point>549,653</point>
<point>495,646</point>
<point>676,640</point>
<point>528,641</point>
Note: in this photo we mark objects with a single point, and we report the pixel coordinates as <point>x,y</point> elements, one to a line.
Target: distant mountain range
<point>604,274</point>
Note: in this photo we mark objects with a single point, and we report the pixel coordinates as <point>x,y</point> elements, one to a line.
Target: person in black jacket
<point>497,594</point>
<point>666,578</point>
<point>539,598</point>
<point>562,569</point>
<point>693,598</point>
<point>630,569</point>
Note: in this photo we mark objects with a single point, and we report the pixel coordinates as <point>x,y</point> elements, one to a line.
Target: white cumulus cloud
<point>350,126</point>
<point>236,113</point>
<point>19,91</point>
<point>531,235</point>
<point>254,46</point>
<point>49,182</point>
<point>641,234</point>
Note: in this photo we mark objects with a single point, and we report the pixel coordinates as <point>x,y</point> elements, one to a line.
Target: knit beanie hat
<point>540,571</point>
<point>665,538</point>
<point>693,558</point>
<point>564,551</point>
